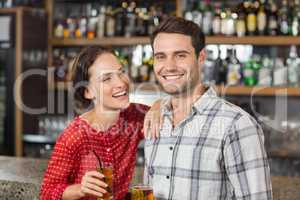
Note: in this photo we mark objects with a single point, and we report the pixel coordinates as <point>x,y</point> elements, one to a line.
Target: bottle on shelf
<point>130,20</point>
<point>251,18</point>
<point>280,73</point>
<point>221,70</point>
<point>101,22</point>
<point>234,69</point>
<point>110,22</point>
<point>59,27</point>
<point>223,20</point>
<point>265,72</point>
<point>153,20</point>
<point>81,29</point>
<point>293,65</point>
<point>272,19</point>
<point>228,25</point>
<point>207,18</point>
<point>283,18</point>
<point>249,78</point>
<point>216,22</point>
<point>261,19</point>
<point>296,18</point>
<point>144,70</point>
<point>141,22</point>
<point>209,69</point>
<point>120,18</point>
<point>92,21</point>
<point>198,13</point>
<point>241,22</point>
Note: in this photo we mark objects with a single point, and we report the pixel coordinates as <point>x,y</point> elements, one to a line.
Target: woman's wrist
<point>73,192</point>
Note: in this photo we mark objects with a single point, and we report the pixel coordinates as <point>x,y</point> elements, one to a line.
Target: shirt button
<point>151,171</point>
<point>167,177</point>
<point>171,148</point>
<point>108,149</point>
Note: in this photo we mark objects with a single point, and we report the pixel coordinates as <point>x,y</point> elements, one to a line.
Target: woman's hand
<point>153,121</point>
<point>92,184</point>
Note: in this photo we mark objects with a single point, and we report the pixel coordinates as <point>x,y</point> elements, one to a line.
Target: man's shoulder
<point>237,114</point>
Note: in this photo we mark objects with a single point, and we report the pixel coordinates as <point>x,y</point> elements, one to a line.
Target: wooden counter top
<point>23,176</point>
<point>286,188</point>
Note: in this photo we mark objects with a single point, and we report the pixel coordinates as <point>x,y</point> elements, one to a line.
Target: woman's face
<point>108,84</point>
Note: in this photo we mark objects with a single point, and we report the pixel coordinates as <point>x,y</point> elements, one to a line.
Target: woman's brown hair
<point>80,73</point>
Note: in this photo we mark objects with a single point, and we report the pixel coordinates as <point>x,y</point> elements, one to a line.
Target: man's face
<point>176,65</point>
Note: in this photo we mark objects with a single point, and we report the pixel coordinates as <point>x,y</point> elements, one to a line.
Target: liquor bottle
<point>123,59</point>
<point>130,20</point>
<point>283,18</point>
<point>296,18</point>
<point>251,18</point>
<point>141,21</point>
<point>144,70</point>
<point>234,69</point>
<point>59,27</point>
<point>230,23</point>
<point>208,69</point>
<point>265,72</point>
<point>223,20</point>
<point>272,21</point>
<point>81,28</point>
<point>92,21</point>
<point>8,4</point>
<point>120,16</point>
<point>207,18</point>
<point>71,23</point>
<point>198,14</point>
<point>261,19</point>
<point>66,31</point>
<point>188,15</point>
<point>280,73</point>
<point>293,64</point>
<point>153,20</point>
<point>101,22</point>
<point>241,23</point>
<point>249,77</point>
<point>221,70</point>
<point>152,75</point>
<point>216,22</point>
<point>110,22</point>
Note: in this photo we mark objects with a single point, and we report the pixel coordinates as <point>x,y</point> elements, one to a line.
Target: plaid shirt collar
<point>202,103</point>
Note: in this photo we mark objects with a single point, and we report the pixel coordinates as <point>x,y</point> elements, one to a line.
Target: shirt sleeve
<point>59,169</point>
<point>246,161</point>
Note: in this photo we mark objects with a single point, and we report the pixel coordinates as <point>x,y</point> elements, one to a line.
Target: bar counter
<point>20,178</point>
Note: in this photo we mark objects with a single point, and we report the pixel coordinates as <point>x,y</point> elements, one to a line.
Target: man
<point>208,149</point>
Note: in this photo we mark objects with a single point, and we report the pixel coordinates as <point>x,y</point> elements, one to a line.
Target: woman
<point>110,129</point>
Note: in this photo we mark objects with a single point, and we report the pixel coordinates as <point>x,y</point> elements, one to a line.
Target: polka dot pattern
<point>74,153</point>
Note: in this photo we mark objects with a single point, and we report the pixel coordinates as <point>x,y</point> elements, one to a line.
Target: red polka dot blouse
<point>74,153</point>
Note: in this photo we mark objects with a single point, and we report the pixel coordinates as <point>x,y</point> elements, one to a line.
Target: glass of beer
<point>141,192</point>
<point>107,170</point>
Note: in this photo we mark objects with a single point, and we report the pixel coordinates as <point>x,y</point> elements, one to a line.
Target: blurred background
<point>252,60</point>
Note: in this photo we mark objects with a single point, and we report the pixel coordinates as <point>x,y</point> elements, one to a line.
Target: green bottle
<point>249,78</point>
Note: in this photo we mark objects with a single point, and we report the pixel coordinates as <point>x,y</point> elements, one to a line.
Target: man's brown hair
<point>181,26</point>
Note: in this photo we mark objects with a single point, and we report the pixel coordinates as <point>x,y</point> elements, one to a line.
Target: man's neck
<point>182,105</point>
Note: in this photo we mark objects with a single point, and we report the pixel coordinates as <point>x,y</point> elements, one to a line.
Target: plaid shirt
<point>216,153</point>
